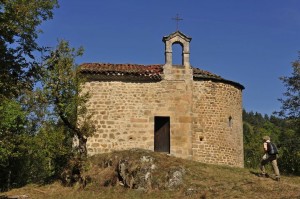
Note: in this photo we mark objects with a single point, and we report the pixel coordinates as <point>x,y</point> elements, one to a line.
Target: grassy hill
<point>198,180</point>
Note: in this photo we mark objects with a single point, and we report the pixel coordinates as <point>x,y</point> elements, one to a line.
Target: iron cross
<point>177,20</point>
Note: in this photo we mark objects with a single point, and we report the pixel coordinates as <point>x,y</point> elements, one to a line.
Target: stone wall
<point>217,125</point>
<point>125,111</point>
<point>199,114</point>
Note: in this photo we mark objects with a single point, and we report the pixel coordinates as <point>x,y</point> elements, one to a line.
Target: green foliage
<point>291,103</point>
<point>49,153</point>
<point>12,125</point>
<point>62,89</point>
<point>283,133</point>
<point>290,110</point>
<point>37,131</point>
<point>19,21</point>
<point>290,149</point>
<point>252,146</point>
<point>37,159</point>
<point>30,149</point>
<point>13,138</point>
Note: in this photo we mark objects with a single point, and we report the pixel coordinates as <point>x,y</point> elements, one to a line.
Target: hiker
<point>269,156</point>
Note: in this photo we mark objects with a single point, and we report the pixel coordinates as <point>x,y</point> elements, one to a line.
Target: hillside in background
<point>285,133</point>
<point>145,174</point>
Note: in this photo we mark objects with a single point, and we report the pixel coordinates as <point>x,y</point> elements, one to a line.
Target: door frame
<point>162,136</point>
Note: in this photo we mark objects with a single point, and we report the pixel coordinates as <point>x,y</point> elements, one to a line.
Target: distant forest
<point>283,132</point>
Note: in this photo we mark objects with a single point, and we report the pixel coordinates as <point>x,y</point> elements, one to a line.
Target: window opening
<point>177,56</point>
<point>201,138</point>
<point>230,121</point>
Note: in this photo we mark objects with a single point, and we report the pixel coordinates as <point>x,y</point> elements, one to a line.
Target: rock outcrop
<point>141,171</point>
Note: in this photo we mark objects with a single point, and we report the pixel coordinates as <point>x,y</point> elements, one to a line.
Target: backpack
<point>271,148</point>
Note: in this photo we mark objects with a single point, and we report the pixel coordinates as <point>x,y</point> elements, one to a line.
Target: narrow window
<point>201,138</point>
<point>230,121</point>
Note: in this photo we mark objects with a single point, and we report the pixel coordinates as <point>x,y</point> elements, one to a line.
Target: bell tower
<point>185,66</point>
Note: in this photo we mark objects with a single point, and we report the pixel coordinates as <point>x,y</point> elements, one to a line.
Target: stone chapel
<point>176,109</point>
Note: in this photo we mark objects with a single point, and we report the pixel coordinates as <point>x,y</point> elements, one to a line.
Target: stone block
<point>185,119</point>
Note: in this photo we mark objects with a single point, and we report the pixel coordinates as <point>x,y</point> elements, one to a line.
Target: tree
<point>290,152</point>
<point>19,21</point>
<point>290,110</point>
<point>12,123</point>
<point>18,33</point>
<point>291,103</point>
<point>49,153</point>
<point>62,86</point>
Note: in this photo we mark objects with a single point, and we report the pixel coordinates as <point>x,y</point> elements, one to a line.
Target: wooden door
<point>162,134</point>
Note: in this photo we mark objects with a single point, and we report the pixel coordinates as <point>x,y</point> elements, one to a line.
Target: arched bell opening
<point>177,54</point>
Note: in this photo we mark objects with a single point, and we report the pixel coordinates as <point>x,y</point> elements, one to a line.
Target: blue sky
<point>252,42</point>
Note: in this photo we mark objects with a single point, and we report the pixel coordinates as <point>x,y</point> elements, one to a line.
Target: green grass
<point>200,181</point>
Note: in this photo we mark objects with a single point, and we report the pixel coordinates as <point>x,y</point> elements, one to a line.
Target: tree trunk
<point>9,179</point>
<point>82,146</point>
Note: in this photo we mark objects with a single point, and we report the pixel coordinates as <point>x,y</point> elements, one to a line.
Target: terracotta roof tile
<point>150,72</point>
<point>202,73</point>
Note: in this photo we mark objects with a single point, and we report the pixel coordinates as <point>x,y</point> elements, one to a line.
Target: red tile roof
<point>146,72</point>
<point>197,72</point>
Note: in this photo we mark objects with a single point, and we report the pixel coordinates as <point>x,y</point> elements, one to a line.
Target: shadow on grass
<point>258,174</point>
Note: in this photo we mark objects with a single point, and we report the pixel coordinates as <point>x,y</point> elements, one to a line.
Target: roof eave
<point>236,84</point>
